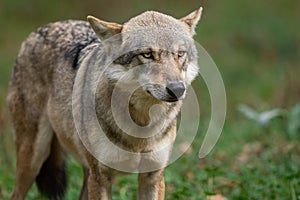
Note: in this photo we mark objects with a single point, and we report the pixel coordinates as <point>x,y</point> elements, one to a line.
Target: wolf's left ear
<point>104,29</point>
<point>192,19</point>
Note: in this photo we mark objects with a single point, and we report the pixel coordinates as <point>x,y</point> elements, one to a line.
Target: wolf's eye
<point>147,55</point>
<point>181,53</point>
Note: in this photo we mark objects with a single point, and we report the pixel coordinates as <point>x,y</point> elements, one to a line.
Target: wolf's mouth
<point>161,96</point>
<point>171,99</point>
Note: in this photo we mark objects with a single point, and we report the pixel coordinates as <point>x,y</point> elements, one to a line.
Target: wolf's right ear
<point>104,29</point>
<point>192,19</point>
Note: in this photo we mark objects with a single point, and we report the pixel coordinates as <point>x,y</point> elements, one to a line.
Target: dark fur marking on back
<point>74,53</point>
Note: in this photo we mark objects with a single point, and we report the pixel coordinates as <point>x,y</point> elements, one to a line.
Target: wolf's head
<point>154,50</point>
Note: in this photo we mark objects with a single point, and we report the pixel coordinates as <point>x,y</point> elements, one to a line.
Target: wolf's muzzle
<point>175,90</point>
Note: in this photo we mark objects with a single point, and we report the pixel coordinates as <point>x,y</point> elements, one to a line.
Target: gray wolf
<point>160,58</point>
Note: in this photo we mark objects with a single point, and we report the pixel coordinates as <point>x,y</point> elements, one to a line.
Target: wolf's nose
<point>175,89</point>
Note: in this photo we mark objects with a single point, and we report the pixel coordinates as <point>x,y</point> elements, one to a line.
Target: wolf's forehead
<point>152,19</point>
<point>156,38</point>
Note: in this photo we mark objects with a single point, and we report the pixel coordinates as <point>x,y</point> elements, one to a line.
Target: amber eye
<point>181,53</point>
<point>147,55</point>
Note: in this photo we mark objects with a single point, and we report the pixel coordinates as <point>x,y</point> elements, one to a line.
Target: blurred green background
<point>255,44</point>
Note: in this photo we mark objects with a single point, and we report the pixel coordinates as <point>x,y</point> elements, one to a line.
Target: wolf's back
<point>49,44</point>
<point>53,48</point>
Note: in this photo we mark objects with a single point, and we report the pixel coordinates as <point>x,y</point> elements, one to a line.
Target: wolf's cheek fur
<point>191,73</point>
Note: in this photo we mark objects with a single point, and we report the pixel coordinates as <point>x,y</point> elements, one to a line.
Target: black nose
<point>175,89</point>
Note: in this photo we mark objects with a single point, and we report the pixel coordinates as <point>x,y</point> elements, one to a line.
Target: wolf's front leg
<point>151,186</point>
<point>99,186</point>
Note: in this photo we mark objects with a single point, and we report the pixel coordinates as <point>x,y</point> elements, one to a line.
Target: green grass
<point>256,45</point>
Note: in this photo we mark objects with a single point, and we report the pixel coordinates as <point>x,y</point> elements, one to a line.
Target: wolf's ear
<point>192,19</point>
<point>104,29</point>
